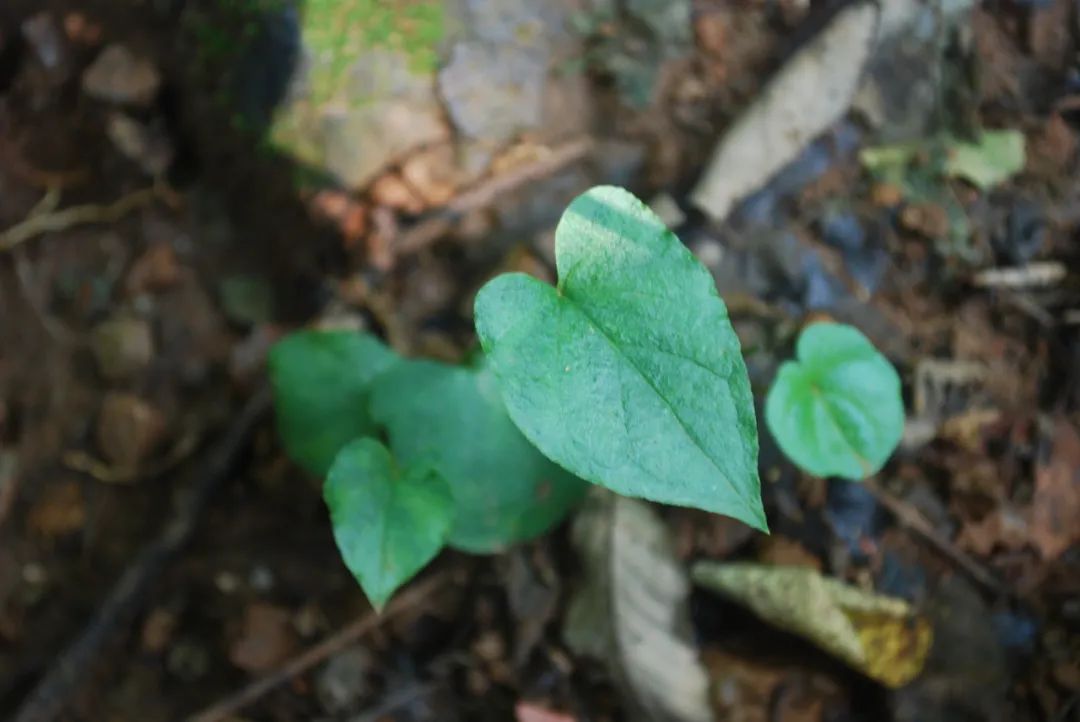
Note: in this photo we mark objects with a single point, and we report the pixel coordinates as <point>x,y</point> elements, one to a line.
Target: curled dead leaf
<point>879,636</point>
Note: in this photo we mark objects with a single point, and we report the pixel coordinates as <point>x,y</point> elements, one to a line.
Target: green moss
<point>337,31</point>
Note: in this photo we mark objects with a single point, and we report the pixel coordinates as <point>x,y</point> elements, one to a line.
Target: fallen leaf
<point>527,712</point>
<point>991,159</point>
<point>1055,508</point>
<point>879,636</point>
<point>631,610</point>
<point>807,96</point>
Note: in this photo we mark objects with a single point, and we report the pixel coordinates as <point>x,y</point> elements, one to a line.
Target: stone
<point>393,192</point>
<point>123,347</point>
<point>148,145</point>
<point>44,37</point>
<point>267,639</point>
<point>344,681</point>
<point>433,174</point>
<point>493,91</point>
<point>354,105</point>
<point>129,429</point>
<point>119,76</point>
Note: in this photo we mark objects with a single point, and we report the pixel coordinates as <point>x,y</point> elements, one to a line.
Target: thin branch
<point>427,231</point>
<point>913,519</point>
<point>52,221</point>
<point>74,666</point>
<point>339,641</point>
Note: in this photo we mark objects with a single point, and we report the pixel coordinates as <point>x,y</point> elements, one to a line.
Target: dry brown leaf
<point>631,610</point>
<point>812,90</point>
<point>1055,511</point>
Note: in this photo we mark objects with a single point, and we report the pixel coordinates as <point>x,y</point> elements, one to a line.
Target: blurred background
<point>184,181</point>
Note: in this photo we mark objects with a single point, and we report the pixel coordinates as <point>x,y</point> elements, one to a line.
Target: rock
<point>345,680</point>
<point>393,192</point>
<point>119,76</point>
<point>433,174</point>
<point>147,145</point>
<point>356,109</point>
<point>122,347</point>
<point>129,429</point>
<point>493,91</point>
<point>266,640</point>
<point>44,38</point>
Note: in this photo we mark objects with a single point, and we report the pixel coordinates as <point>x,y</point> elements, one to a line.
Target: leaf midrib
<point>830,414</point>
<point>682,424</point>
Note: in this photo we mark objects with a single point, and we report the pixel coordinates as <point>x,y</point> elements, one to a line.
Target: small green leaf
<point>993,158</point>
<point>388,521</point>
<point>629,373</point>
<point>320,381</point>
<point>837,411</point>
<point>453,417</point>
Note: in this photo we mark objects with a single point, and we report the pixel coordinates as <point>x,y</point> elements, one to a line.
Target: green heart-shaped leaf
<point>388,521</point>
<point>837,410</point>
<point>320,381</point>
<point>629,373</point>
<point>453,417</point>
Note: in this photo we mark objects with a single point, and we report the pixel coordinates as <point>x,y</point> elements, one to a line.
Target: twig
<point>75,665</point>
<point>339,641</point>
<point>85,463</point>
<point>9,484</point>
<point>910,517</point>
<point>427,231</point>
<point>52,221</point>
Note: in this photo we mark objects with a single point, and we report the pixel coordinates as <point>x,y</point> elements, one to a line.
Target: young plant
<point>627,374</point>
<point>837,409</point>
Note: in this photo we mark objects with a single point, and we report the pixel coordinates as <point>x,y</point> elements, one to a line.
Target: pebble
<point>384,112</point>
<point>344,681</point>
<point>433,174</point>
<point>122,347</point>
<point>129,429</point>
<point>147,145</point>
<point>393,192</point>
<point>266,640</point>
<point>119,76</point>
<point>44,37</point>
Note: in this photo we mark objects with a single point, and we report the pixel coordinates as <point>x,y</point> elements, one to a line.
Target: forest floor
<point>152,250</point>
